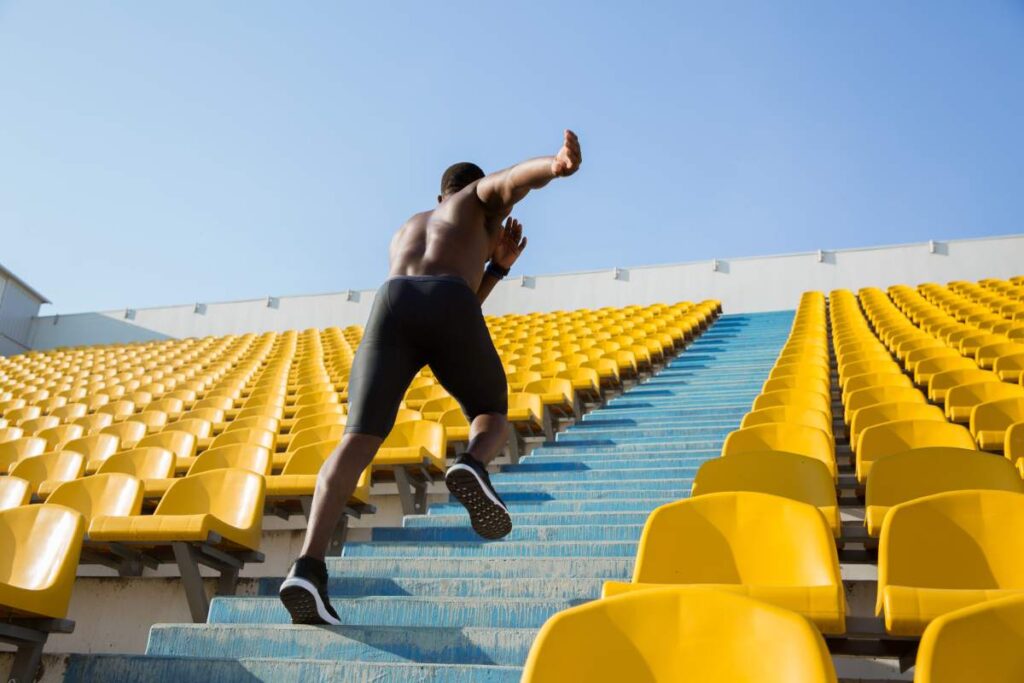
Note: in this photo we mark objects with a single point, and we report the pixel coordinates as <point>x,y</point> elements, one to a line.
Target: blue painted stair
<point>430,601</point>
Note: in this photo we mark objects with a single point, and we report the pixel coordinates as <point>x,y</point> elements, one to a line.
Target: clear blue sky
<point>169,152</point>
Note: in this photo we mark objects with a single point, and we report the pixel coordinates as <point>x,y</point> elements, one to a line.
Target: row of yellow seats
<point>682,634</point>
<point>971,395</point>
<point>883,411</point>
<point>761,519</point>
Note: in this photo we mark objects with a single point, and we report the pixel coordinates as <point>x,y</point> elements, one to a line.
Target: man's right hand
<point>569,158</point>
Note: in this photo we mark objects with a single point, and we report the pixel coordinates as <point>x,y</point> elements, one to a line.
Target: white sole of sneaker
<point>488,516</point>
<point>300,598</point>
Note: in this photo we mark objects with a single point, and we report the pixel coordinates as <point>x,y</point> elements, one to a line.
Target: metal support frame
<point>412,491</point>
<point>29,636</point>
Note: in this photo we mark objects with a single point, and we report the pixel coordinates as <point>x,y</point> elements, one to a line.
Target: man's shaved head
<point>459,176</point>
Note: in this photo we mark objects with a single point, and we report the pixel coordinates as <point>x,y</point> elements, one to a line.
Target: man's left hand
<point>510,245</point>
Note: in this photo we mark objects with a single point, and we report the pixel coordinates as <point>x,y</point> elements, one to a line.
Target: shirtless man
<point>428,313</point>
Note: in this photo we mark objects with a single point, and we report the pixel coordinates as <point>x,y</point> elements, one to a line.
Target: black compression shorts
<point>417,321</point>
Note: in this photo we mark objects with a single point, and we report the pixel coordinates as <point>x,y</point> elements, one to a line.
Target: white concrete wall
<point>18,307</point>
<point>743,285</point>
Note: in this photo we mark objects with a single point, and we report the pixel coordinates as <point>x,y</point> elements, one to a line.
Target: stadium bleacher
<point>694,495</point>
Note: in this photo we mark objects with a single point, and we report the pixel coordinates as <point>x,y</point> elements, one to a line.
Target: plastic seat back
<point>737,538</point>
<point>878,413</point>
<point>231,495</point>
<point>53,466</point>
<point>14,491</point>
<point>269,424</point>
<point>421,433</point>
<point>940,383</point>
<point>197,427</point>
<point>997,415</point>
<point>143,463</point>
<point>10,434</point>
<point>680,635</point>
<point>332,432</point>
<point>39,424</point>
<point>110,494</point>
<point>982,542</point>
<point>861,398</point>
<point>249,457</point>
<point>57,437</point>
<point>808,382</point>
<point>309,459</point>
<point>791,438</point>
<point>181,443</point>
<point>95,447</point>
<point>875,379</point>
<point>921,472</point>
<point>317,420</point>
<point>257,437</point>
<point>129,432</point>
<point>810,417</point>
<point>978,643</point>
<point>780,474</point>
<point>963,397</point>
<point>903,435</point>
<point>42,544</point>
<point>794,397</point>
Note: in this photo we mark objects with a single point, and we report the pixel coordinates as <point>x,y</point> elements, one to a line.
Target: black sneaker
<point>468,481</point>
<point>304,593</point>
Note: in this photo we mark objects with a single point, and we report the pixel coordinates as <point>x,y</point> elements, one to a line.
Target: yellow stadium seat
<point>119,410</point>
<point>155,420</point>
<point>518,380</point>
<point>947,551</point>
<point>129,432</point>
<point>42,546</point>
<point>56,437</point>
<point>810,417</point>
<point>238,456</point>
<point>925,370</point>
<point>45,472</point>
<point>984,642</point>
<point>1013,442</point>
<point>70,412</point>
<point>990,420</point>
<point>14,491</point>
<point>110,494</point>
<point>417,443</point>
<point>794,397</point>
<point>213,518</point>
<point>39,424</point>
<point>875,379</point>
<point>586,382</point>
<point>874,395</point>
<point>556,394</point>
<point>95,449</point>
<point>332,432</point>
<point>181,443</point>
<point>269,424</point>
<point>415,398</point>
<point>808,382</point>
<point>866,366</point>
<point>777,473</point>
<point>151,465</point>
<point>18,416</point>
<point>940,383</point>
<point>790,438</point>
<point>258,437</point>
<point>903,435</point>
<point>1010,368</point>
<point>767,547</point>
<point>961,399</point>
<point>309,422</point>
<point>455,424</point>
<point>679,635</point>
<point>11,433</point>
<point>901,477</point>
<point>878,413</point>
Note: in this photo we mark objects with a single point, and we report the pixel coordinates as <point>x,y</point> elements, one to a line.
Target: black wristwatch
<point>496,271</point>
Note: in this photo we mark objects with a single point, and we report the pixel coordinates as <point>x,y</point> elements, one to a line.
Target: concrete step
<point>430,645</point>
<point>145,669</point>
<point>531,465</point>
<point>520,532</point>
<point>623,505</point>
<point>521,587</point>
<point>493,549</point>
<point>533,492</point>
<point>528,519</point>
<point>399,611</point>
<point>588,475</point>
<point>510,568</point>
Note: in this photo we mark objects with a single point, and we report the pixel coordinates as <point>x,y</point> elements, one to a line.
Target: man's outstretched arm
<point>500,191</point>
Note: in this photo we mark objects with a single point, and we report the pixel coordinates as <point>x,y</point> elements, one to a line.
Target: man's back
<point>456,238</point>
